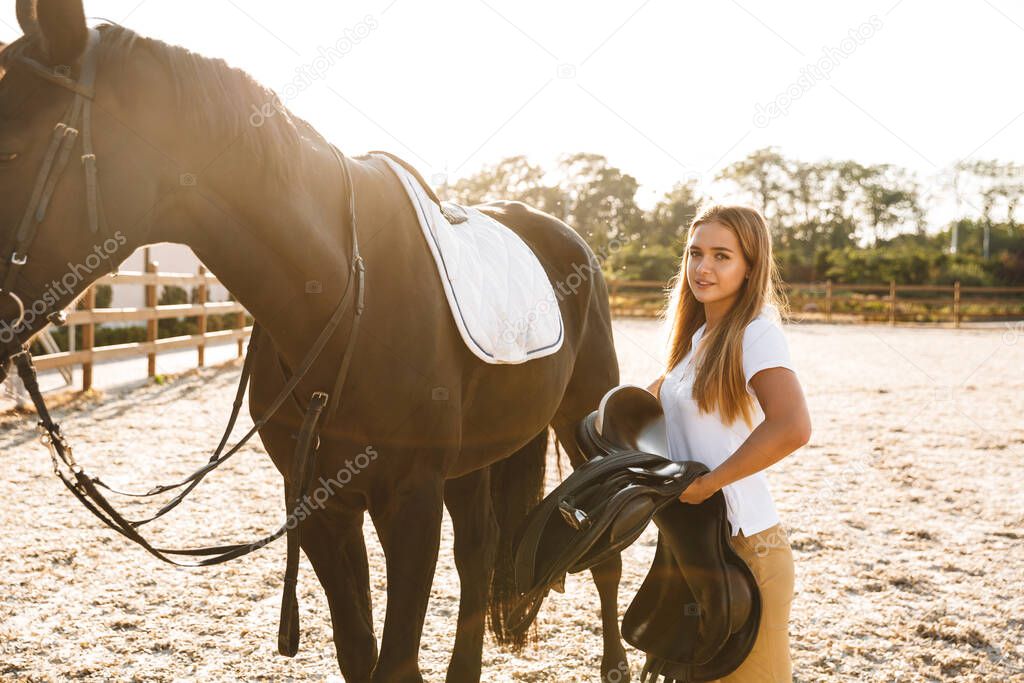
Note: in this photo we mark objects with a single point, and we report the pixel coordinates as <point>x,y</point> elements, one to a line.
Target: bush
<point>636,261</point>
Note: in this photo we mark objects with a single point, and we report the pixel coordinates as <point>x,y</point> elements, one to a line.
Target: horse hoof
<point>616,670</point>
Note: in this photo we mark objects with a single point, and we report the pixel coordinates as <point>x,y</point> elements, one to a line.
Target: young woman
<point>733,402</point>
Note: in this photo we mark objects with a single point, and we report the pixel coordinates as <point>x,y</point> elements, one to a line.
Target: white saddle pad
<point>499,295</point>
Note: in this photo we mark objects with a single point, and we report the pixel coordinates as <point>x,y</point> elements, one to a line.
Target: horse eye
<point>8,156</point>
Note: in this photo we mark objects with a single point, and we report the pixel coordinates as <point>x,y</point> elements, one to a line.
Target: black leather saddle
<point>697,612</point>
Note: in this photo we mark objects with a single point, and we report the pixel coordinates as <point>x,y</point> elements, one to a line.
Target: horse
<point>179,157</point>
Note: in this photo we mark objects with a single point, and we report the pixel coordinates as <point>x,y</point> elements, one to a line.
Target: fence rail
<point>88,317</point>
<point>830,301</point>
<point>826,300</point>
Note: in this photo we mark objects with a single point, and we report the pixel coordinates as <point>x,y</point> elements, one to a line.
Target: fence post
<point>828,301</point>
<point>241,325</point>
<point>151,324</point>
<point>956,304</point>
<point>892,302</point>
<point>201,299</point>
<point>88,337</point>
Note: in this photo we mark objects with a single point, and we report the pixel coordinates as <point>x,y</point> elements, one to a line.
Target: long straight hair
<point>719,381</point>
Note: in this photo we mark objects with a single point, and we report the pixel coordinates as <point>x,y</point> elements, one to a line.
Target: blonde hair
<point>719,380</point>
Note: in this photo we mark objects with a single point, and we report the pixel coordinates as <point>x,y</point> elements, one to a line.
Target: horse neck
<point>282,248</point>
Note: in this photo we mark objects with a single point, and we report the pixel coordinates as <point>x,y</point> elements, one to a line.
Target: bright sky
<point>665,89</point>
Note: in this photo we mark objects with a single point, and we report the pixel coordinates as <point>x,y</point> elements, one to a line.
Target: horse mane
<point>214,97</point>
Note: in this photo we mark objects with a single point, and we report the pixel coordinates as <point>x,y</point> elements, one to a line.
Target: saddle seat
<point>697,612</point>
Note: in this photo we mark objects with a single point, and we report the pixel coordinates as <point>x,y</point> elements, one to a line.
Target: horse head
<point>69,139</point>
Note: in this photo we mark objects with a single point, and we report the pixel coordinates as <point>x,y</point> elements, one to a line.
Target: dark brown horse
<point>264,204</point>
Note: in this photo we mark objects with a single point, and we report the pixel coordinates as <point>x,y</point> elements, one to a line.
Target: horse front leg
<point>335,547</point>
<point>408,521</point>
<point>331,536</point>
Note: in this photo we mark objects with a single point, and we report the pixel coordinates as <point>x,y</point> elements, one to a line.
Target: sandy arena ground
<point>905,512</point>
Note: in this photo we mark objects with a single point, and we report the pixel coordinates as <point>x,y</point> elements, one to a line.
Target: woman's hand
<point>698,491</point>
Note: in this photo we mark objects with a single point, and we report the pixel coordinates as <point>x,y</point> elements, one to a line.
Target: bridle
<point>76,122</point>
<point>322,407</point>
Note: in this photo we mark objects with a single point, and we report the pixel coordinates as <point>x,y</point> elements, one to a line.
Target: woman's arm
<point>786,427</point>
<point>655,386</point>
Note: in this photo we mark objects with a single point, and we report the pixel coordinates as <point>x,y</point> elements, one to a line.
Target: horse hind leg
<point>468,500</point>
<point>614,663</point>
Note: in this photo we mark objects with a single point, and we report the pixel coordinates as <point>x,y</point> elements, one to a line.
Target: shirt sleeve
<point>764,346</point>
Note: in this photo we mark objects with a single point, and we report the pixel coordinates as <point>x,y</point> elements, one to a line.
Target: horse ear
<point>27,17</point>
<point>62,25</point>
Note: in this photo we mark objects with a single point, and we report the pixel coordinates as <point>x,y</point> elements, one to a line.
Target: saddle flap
<point>697,612</point>
<point>584,511</point>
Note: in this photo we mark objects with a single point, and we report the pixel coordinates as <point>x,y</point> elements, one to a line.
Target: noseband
<point>87,487</point>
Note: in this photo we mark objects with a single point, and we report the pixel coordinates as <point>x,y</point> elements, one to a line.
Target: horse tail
<point>517,486</point>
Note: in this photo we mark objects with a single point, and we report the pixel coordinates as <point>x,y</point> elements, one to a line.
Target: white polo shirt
<point>692,436</point>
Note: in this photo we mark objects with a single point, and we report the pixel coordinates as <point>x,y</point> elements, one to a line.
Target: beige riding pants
<point>769,556</point>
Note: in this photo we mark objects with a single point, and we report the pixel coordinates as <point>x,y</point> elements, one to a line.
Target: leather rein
<point>76,124</point>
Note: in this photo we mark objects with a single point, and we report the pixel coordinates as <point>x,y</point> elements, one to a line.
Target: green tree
<point>601,201</point>
<point>635,261</point>
<point>670,218</point>
<point>512,178</point>
<point>889,200</point>
<point>763,174</point>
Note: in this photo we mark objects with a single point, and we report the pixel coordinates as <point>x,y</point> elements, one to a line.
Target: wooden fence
<point>829,301</point>
<point>826,301</point>
<point>88,317</point>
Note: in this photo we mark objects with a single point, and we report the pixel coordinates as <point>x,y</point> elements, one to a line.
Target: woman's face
<point>717,268</point>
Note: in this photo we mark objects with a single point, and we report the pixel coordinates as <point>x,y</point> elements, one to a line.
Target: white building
<point>170,258</point>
